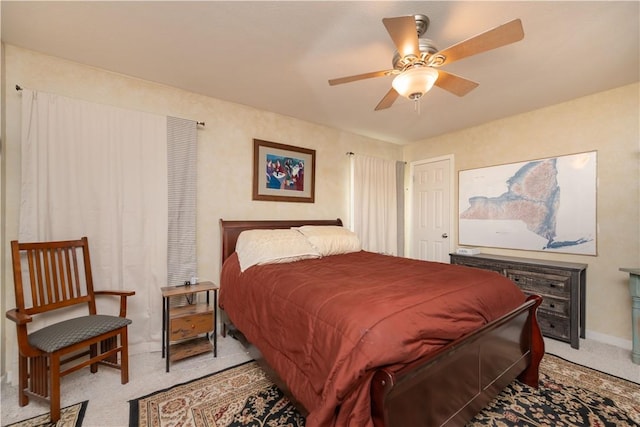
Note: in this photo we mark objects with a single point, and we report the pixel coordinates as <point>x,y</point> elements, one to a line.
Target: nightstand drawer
<point>190,326</point>
<point>549,284</point>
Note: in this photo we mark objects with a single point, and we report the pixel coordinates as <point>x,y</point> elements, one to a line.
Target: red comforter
<point>326,324</point>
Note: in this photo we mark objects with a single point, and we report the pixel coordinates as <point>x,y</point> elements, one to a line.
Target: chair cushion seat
<point>72,331</point>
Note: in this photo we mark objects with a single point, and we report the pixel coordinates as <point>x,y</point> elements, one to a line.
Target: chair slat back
<point>52,275</point>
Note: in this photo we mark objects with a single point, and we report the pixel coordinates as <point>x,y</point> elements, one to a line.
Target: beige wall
<point>225,149</point>
<point>606,122</point>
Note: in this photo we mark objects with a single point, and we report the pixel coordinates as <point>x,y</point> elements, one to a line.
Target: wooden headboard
<point>230,230</point>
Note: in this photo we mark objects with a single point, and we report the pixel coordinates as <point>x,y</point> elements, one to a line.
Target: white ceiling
<point>278,56</point>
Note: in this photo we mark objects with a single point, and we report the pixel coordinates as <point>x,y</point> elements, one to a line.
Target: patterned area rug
<point>70,416</point>
<point>569,395</point>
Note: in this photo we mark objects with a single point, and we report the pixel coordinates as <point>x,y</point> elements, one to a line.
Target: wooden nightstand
<point>186,328</point>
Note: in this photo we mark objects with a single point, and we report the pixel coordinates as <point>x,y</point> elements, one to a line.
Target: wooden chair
<point>56,276</point>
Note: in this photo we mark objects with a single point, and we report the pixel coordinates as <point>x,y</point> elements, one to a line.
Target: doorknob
<point>445,235</point>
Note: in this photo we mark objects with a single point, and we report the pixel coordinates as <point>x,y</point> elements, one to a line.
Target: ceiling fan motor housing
<point>427,49</point>
<point>425,46</point>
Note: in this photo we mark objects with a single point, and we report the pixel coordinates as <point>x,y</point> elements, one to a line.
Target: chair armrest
<point>18,317</point>
<point>123,299</point>
<point>116,293</point>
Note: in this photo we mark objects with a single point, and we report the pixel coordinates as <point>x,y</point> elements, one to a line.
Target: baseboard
<point>609,339</point>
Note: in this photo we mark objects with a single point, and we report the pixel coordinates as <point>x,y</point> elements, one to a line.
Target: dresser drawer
<point>554,326</point>
<point>541,283</point>
<point>190,326</point>
<point>554,305</point>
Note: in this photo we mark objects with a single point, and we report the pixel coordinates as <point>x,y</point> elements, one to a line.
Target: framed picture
<point>539,205</point>
<point>283,173</point>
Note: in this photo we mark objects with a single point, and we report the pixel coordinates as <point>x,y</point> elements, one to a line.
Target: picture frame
<point>546,205</point>
<point>283,173</point>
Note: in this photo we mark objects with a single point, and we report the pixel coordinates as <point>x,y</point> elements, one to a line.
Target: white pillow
<point>256,247</point>
<point>331,239</point>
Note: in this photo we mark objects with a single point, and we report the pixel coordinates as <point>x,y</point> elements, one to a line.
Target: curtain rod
<point>351,153</point>
<point>19,88</point>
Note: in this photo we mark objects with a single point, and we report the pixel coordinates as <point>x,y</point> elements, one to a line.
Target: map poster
<point>540,205</point>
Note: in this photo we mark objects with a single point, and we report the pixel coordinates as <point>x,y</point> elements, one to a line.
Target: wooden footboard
<point>452,385</point>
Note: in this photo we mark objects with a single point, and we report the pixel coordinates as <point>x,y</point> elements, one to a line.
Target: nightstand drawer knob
<point>193,326</point>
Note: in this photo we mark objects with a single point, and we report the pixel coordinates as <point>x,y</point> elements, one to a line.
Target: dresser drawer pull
<point>552,305</point>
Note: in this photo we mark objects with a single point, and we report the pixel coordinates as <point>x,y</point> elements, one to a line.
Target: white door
<point>431,210</point>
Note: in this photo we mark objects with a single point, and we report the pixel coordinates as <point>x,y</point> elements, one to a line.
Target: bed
<point>395,364</point>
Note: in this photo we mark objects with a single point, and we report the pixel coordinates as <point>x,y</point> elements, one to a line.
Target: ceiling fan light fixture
<point>415,82</point>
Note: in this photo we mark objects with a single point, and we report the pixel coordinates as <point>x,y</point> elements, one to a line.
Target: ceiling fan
<point>417,60</point>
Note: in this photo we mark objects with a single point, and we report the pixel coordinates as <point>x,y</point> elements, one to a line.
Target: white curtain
<point>99,171</point>
<point>374,200</point>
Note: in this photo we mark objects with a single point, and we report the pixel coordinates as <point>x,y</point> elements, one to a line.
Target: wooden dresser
<point>562,286</point>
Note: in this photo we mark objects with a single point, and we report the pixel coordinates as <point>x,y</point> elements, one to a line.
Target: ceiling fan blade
<point>455,84</point>
<point>357,77</point>
<point>502,35</point>
<point>388,100</point>
<point>404,34</point>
